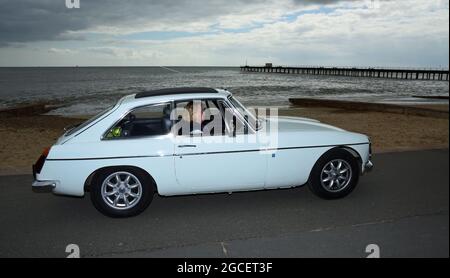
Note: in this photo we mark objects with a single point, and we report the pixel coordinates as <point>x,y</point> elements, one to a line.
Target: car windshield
<point>251,118</point>
<point>75,128</point>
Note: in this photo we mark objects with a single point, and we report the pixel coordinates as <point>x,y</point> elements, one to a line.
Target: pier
<point>391,73</point>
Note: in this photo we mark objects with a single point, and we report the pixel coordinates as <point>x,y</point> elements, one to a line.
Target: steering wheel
<point>128,119</point>
<point>128,124</point>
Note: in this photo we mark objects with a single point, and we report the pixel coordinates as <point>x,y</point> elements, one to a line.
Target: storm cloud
<point>31,20</point>
<point>224,32</point>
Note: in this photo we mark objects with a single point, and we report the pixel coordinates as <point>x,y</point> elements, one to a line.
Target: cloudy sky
<point>413,33</point>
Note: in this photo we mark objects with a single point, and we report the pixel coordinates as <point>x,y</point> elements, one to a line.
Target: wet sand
<point>24,137</point>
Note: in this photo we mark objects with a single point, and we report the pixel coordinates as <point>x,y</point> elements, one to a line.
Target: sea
<point>88,90</point>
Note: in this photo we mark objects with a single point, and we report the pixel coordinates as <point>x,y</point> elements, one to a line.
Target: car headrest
<point>166,111</point>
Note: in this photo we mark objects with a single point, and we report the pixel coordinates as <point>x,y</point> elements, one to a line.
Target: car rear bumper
<point>44,186</point>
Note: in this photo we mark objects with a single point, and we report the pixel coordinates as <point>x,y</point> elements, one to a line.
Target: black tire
<point>147,190</point>
<point>315,179</point>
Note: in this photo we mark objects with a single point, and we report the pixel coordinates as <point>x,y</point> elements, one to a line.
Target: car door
<point>218,160</point>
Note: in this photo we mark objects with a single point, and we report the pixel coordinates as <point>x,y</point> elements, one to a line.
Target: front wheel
<point>122,192</point>
<point>334,175</point>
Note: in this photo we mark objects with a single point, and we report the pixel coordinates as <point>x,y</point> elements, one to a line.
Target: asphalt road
<point>402,206</point>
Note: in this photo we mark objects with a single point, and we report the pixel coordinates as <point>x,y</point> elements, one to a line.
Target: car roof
<point>176,91</point>
<point>171,94</point>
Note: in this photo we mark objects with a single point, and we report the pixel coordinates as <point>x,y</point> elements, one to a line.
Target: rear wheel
<point>334,175</point>
<point>122,192</point>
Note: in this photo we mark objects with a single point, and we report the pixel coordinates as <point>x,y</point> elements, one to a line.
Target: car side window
<point>151,120</point>
<point>206,118</point>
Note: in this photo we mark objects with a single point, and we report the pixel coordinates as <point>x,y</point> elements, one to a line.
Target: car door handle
<point>187,146</point>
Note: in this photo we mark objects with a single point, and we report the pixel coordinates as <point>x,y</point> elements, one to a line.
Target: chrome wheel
<point>121,190</point>
<point>336,175</point>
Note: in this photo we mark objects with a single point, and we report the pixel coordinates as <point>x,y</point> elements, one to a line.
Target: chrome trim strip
<point>102,158</point>
<point>270,149</point>
<point>320,146</point>
<point>205,153</point>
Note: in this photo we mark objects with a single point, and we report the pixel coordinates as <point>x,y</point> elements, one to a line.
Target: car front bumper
<point>368,166</point>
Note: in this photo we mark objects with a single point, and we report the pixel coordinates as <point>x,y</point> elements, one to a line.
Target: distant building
<point>268,65</point>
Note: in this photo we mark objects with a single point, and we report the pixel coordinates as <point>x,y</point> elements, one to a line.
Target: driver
<point>194,117</point>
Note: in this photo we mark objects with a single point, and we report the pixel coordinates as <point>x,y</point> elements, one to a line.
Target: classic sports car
<point>141,146</point>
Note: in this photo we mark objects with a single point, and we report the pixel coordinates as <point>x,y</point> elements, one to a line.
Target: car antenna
<point>169,69</point>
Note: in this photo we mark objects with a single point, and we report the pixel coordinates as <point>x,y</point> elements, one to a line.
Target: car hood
<point>295,131</point>
<point>296,124</point>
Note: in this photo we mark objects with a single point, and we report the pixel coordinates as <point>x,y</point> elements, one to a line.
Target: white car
<point>136,148</point>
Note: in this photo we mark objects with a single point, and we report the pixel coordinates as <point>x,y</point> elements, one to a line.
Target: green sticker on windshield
<point>115,132</point>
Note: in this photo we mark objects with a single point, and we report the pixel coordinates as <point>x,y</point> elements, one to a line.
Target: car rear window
<point>88,122</point>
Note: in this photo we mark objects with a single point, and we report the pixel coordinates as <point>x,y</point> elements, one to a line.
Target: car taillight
<point>40,162</point>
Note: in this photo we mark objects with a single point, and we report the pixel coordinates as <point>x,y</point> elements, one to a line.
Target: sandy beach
<point>23,137</point>
<point>389,132</point>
